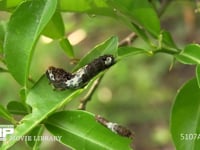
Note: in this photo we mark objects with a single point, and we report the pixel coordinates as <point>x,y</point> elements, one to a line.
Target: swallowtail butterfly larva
<point>62,80</point>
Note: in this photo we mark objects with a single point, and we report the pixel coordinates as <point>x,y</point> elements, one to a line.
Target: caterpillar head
<point>109,60</point>
<point>58,77</point>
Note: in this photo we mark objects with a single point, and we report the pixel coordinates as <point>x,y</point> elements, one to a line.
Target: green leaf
<point>23,30</point>
<point>4,113</point>
<point>107,47</point>
<point>190,55</point>
<point>198,74</point>
<point>44,101</point>
<point>139,11</point>
<point>96,7</point>
<point>80,130</point>
<point>67,47</point>
<point>1,47</point>
<point>2,34</point>
<point>2,70</point>
<point>125,51</point>
<point>34,134</point>
<point>140,32</point>
<point>134,27</point>
<point>2,30</point>
<point>167,39</point>
<point>16,107</point>
<point>55,28</point>
<point>185,120</point>
<point>8,4</point>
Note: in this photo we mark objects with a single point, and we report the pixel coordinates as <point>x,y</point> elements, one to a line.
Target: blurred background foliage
<point>138,91</point>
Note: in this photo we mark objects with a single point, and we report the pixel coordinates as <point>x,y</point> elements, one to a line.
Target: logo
<point>6,130</point>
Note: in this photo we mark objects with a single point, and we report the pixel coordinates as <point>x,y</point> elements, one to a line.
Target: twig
<point>88,96</point>
<point>164,6</point>
<point>128,40</point>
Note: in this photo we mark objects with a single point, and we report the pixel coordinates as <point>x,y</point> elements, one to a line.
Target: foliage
<point>40,105</point>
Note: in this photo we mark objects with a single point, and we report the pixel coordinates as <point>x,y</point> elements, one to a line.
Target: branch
<point>88,96</point>
<point>128,40</point>
<point>164,5</point>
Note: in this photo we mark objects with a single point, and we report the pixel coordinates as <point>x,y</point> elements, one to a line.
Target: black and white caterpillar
<point>114,127</point>
<point>60,79</point>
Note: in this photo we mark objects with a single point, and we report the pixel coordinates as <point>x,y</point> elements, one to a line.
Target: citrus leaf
<point>124,51</point>
<point>2,34</point>
<point>134,27</point>
<point>67,47</point>
<point>3,25</point>
<point>91,7</point>
<point>8,4</point>
<point>16,107</point>
<point>24,28</point>
<point>198,74</point>
<point>107,47</point>
<point>44,101</point>
<point>4,113</point>
<point>167,39</point>
<point>185,117</point>
<point>55,28</point>
<point>190,55</point>
<point>34,134</point>
<point>137,11</point>
<point>79,130</point>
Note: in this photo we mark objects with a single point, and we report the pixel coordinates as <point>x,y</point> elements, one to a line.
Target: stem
<point>167,51</point>
<point>164,6</point>
<point>128,40</point>
<point>88,96</point>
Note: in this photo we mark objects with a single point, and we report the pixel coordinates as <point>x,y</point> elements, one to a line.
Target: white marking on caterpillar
<point>77,79</point>
<point>114,127</point>
<point>51,75</point>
